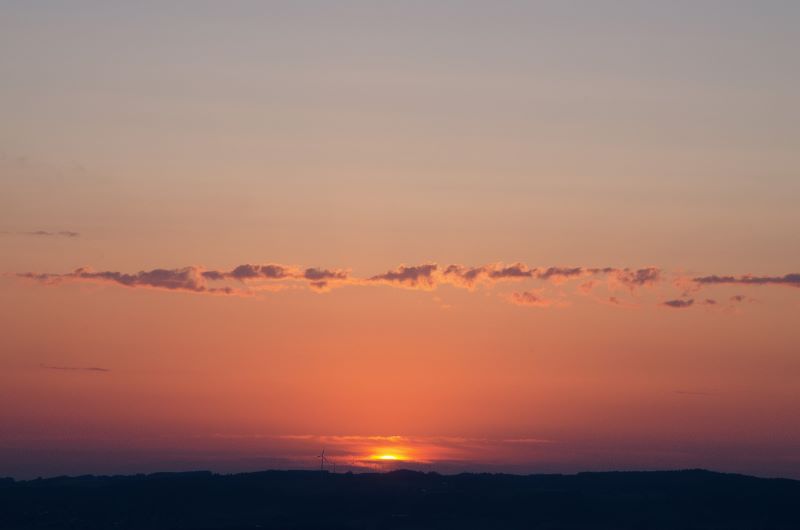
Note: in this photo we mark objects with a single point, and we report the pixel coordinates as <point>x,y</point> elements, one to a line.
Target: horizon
<point>455,235</point>
<point>397,471</point>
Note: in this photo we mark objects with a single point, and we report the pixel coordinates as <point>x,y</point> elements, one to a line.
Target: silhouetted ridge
<point>692,499</point>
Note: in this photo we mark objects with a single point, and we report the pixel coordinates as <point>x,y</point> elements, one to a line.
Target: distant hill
<point>671,500</point>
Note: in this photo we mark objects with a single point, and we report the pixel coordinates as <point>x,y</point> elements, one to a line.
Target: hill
<point>672,500</point>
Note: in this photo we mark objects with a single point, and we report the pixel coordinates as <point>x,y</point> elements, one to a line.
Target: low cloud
<point>250,272</point>
<point>638,277</point>
<point>679,304</point>
<point>461,276</point>
<point>45,233</point>
<point>249,279</point>
<point>185,279</point>
<point>562,273</point>
<point>417,276</point>
<point>531,298</point>
<point>319,279</point>
<point>75,368</point>
<point>324,274</point>
<point>790,280</point>
<point>740,299</point>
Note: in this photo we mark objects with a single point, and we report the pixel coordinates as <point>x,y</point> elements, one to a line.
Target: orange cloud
<point>249,279</point>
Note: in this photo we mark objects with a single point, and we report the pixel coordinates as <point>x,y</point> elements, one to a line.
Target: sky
<point>508,236</point>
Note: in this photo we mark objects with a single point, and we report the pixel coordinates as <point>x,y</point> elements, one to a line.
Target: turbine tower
<point>321,457</point>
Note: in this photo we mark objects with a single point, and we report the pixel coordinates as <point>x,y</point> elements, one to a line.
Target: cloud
<point>61,233</point>
<point>324,274</point>
<point>636,278</point>
<point>561,273</point>
<point>45,233</point>
<point>249,279</point>
<point>185,279</point>
<point>318,279</point>
<point>499,271</point>
<point>531,298</point>
<point>195,279</point>
<point>426,276</point>
<point>631,278</point>
<point>269,272</point>
<point>76,368</point>
<point>417,276</point>
<point>468,277</point>
<point>361,450</point>
<point>791,280</point>
<point>213,275</point>
<point>679,304</point>
<point>323,279</point>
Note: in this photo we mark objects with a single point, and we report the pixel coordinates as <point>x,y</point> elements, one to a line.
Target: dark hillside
<point>403,499</point>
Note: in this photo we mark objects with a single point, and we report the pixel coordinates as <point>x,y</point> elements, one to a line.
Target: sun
<point>390,454</point>
<point>386,456</point>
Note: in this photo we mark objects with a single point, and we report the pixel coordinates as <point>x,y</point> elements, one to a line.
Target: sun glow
<point>388,454</point>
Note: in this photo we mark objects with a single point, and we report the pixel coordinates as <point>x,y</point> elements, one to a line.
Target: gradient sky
<point>615,185</point>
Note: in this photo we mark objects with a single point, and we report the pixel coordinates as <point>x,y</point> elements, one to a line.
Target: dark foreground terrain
<point>402,499</point>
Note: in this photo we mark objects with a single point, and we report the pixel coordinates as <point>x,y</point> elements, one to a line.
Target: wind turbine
<point>321,457</point>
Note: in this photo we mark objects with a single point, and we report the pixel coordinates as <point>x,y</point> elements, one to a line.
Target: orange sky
<point>524,238</point>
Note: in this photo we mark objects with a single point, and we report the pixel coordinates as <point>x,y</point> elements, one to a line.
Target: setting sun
<point>390,454</point>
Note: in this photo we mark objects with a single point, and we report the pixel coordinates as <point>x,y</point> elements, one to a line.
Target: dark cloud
<point>678,304</point>
<point>269,272</point>
<point>791,280</point>
<point>40,277</point>
<point>409,276</point>
<point>517,270</point>
<point>45,233</point>
<point>638,277</point>
<point>426,276</point>
<point>196,279</point>
<point>317,275</point>
<point>213,275</point>
<point>468,276</point>
<point>76,368</point>
<point>530,298</point>
<point>318,278</point>
<point>629,277</point>
<point>462,276</point>
<point>185,279</point>
<point>321,279</point>
<point>560,273</point>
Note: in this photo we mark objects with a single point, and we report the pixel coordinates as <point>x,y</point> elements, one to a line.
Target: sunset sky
<point>486,236</point>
